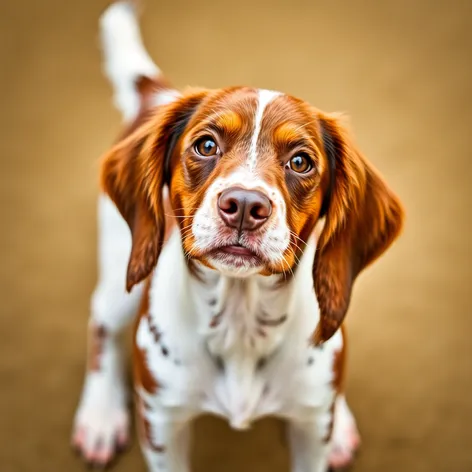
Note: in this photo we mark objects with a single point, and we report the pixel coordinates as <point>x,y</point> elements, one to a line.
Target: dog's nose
<point>244,209</point>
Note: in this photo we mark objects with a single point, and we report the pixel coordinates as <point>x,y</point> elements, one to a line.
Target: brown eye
<point>300,164</point>
<point>206,147</point>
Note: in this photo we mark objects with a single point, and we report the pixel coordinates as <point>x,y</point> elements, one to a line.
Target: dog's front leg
<point>309,444</point>
<point>164,437</point>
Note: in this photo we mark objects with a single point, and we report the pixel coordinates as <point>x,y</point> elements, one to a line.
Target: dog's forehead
<point>258,110</point>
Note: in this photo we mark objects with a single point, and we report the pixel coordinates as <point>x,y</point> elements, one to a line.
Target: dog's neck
<point>240,313</point>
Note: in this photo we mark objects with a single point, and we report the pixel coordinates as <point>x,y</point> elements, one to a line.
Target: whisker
<point>295,235</point>
<point>296,245</point>
<point>295,256</point>
<point>175,216</point>
<point>283,259</point>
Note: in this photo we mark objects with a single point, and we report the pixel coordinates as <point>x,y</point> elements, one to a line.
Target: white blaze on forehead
<point>264,97</point>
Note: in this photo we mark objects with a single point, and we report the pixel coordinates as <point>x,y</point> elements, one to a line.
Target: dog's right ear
<point>134,172</point>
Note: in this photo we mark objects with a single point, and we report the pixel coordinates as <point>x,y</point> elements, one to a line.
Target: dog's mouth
<point>237,255</point>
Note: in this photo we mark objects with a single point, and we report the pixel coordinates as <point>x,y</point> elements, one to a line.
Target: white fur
<point>165,97</point>
<point>288,385</point>
<point>125,56</point>
<point>102,415</point>
<point>264,97</point>
<point>272,240</point>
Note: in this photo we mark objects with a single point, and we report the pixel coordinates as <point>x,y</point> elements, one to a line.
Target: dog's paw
<point>345,439</point>
<point>101,425</point>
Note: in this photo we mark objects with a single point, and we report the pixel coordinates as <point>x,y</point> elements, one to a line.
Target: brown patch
<point>97,336</point>
<point>216,320</point>
<point>142,375</point>
<point>329,433</point>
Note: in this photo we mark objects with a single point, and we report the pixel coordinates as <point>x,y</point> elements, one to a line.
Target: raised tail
<point>126,59</point>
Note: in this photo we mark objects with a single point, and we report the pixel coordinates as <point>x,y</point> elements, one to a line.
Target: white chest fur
<point>235,347</point>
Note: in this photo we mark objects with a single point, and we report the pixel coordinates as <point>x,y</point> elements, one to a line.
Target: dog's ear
<point>134,172</point>
<point>363,218</point>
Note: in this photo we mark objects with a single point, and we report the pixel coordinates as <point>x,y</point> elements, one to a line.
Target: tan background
<point>401,69</point>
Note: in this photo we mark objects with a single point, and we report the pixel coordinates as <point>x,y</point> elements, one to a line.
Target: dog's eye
<point>206,147</point>
<point>301,164</point>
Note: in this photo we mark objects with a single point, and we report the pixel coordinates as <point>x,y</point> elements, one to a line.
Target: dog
<point>232,226</point>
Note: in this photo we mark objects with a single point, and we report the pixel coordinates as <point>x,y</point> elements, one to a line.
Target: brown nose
<point>244,209</point>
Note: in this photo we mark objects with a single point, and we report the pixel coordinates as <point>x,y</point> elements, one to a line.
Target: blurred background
<point>401,69</point>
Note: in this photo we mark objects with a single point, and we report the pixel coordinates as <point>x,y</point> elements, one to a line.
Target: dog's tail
<point>127,63</point>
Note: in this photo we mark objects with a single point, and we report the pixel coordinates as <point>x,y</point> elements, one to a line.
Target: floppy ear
<point>133,174</point>
<point>363,218</point>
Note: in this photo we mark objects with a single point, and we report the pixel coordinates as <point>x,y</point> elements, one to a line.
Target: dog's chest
<point>235,348</point>
<point>242,333</point>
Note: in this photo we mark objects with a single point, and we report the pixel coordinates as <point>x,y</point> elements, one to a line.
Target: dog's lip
<point>237,250</point>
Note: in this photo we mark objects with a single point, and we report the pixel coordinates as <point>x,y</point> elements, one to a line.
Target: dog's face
<point>250,173</point>
<point>248,179</point>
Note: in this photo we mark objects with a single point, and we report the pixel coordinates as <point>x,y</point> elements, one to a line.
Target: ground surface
<point>401,69</point>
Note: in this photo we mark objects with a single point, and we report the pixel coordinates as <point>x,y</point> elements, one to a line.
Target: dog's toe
<point>99,435</point>
<point>340,458</point>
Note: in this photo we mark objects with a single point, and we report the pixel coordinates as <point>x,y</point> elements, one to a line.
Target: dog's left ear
<point>363,218</point>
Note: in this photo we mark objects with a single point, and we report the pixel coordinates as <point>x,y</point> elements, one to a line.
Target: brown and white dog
<point>251,214</point>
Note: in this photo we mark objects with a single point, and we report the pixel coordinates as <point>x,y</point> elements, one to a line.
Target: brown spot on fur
<point>261,332</point>
<point>97,336</point>
<point>261,363</point>
<point>153,328</point>
<point>329,433</point>
<point>216,320</point>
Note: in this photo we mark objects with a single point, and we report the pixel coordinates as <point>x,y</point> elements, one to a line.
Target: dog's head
<point>250,173</point>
